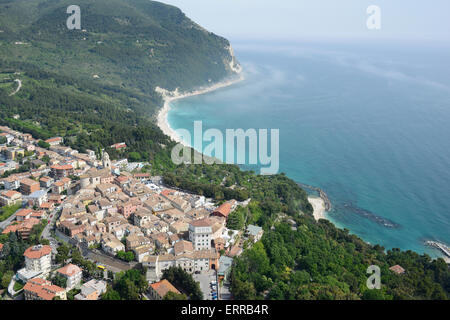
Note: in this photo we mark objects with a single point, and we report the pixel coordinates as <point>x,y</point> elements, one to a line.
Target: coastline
<point>169,96</point>
<point>318,205</point>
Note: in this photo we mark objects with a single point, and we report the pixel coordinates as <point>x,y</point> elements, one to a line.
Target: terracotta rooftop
<point>163,287</point>
<point>37,252</point>
<point>224,209</point>
<point>397,269</point>
<point>24,212</point>
<point>28,182</point>
<point>205,222</point>
<point>10,193</point>
<point>69,270</point>
<point>42,288</point>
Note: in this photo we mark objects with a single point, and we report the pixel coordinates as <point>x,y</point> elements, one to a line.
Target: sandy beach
<point>318,206</point>
<point>169,96</point>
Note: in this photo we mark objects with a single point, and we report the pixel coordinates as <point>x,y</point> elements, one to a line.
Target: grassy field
<point>6,212</point>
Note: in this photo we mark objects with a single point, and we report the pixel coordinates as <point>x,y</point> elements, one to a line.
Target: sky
<point>409,20</point>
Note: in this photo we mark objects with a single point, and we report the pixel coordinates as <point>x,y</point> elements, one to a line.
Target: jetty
<point>440,246</point>
<point>321,193</point>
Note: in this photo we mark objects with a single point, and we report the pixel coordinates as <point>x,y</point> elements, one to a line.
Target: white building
<point>200,232</point>
<point>38,260</point>
<point>72,273</point>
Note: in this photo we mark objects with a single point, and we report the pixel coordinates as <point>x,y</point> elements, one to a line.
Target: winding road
<point>18,87</point>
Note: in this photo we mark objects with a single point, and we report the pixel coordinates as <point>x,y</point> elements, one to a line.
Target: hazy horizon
<point>409,21</point>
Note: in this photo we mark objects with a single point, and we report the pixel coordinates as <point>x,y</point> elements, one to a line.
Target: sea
<point>368,123</point>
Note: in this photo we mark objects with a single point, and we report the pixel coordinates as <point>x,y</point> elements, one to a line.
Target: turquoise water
<point>370,125</point>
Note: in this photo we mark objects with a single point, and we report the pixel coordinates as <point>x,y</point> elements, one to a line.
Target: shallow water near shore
<point>367,124</point>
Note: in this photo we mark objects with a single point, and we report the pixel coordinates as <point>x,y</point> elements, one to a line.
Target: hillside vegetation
<point>132,47</point>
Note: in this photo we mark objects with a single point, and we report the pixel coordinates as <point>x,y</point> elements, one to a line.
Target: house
<point>41,289</point>
<point>397,269</point>
<point>225,264</point>
<point>107,188</point>
<point>119,146</point>
<point>71,229</point>
<point>127,208</point>
<point>73,275</point>
<point>11,182</point>
<point>28,186</point>
<point>38,258</point>
<point>46,182</point>
<point>111,245</point>
<point>91,290</point>
<point>223,210</point>
<point>10,197</point>
<point>54,141</point>
<point>143,251</point>
<point>13,153</point>
<point>159,289</point>
<point>37,198</point>
<point>61,171</point>
<point>254,232</point>
<point>24,214</point>
<point>200,232</point>
<point>23,228</point>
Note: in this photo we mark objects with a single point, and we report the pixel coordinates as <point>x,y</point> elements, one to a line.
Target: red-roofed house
<point>61,171</point>
<point>223,210</point>
<point>397,269</point>
<point>38,258</point>
<point>41,289</point>
<point>119,146</point>
<point>73,275</point>
<point>10,197</point>
<point>159,289</point>
<point>28,186</point>
<point>24,214</point>
<point>54,141</point>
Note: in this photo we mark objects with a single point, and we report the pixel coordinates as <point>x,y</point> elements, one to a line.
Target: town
<point>116,214</point>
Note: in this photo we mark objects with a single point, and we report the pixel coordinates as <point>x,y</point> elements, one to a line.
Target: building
<point>13,153</point>
<point>38,258</point>
<point>91,290</point>
<point>72,273</point>
<point>28,186</point>
<point>46,182</point>
<point>254,232</point>
<point>24,214</point>
<point>200,232</point>
<point>54,141</point>
<point>397,269</point>
<point>225,264</point>
<point>223,210</point>
<point>159,289</point>
<point>111,245</point>
<point>10,197</point>
<point>119,146</point>
<point>23,228</point>
<point>41,289</point>
<point>37,198</point>
<point>61,171</point>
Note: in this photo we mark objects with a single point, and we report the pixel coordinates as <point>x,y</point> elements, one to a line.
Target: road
<point>18,87</point>
<point>46,232</point>
<point>110,263</point>
<point>6,223</point>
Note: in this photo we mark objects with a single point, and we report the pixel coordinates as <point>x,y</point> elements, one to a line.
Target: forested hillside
<point>95,87</point>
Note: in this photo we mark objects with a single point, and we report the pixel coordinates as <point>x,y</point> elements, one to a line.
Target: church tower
<point>106,161</point>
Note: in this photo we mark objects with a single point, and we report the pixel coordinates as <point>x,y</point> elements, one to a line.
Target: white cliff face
<point>234,65</point>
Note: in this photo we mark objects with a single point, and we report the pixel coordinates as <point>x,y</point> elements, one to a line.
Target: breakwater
<point>321,193</point>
